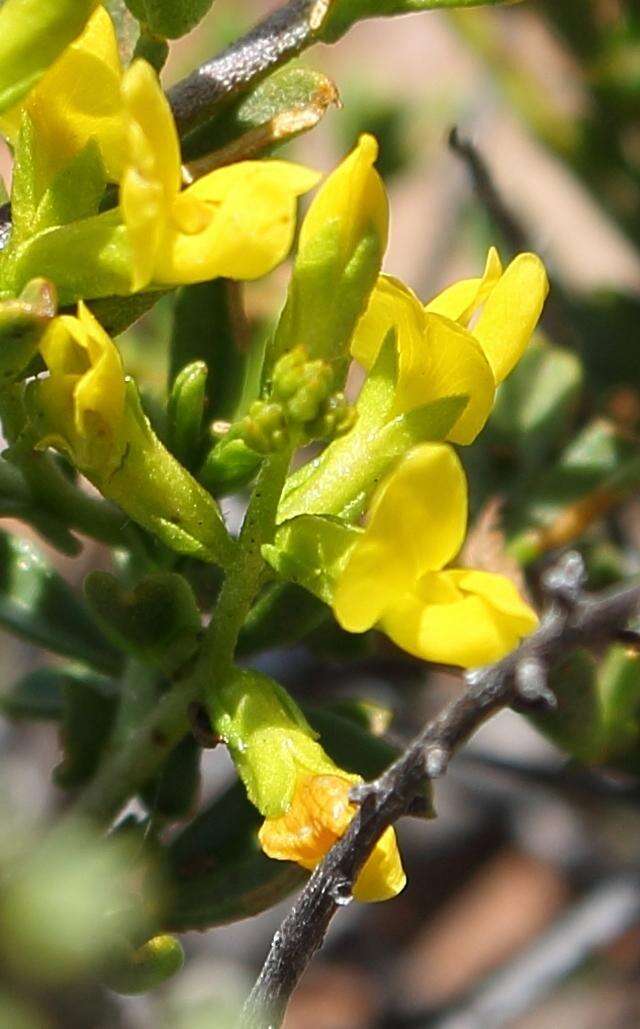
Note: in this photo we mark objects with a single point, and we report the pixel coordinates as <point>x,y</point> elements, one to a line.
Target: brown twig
<point>280,37</point>
<point>573,620</point>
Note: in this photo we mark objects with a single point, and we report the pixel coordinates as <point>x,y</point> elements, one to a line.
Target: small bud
<point>264,429</point>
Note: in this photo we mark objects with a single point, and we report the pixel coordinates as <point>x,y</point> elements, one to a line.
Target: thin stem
<point>124,771</point>
<point>587,622</point>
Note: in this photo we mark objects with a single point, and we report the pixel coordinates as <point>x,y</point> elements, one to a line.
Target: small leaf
<point>139,970</point>
<point>87,721</point>
<point>287,103</point>
<point>173,792</point>
<point>285,614</point>
<point>37,604</point>
<point>342,14</point>
<point>170,18</point>
<point>157,621</point>
<point>534,405</point>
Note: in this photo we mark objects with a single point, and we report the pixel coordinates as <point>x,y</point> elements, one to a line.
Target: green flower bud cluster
<point>300,399</point>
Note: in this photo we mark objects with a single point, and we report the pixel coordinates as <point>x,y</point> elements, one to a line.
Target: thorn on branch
<point>565,581</point>
<point>532,690</point>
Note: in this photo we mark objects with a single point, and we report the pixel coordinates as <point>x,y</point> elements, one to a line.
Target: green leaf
<point>284,615</point>
<point>23,323</point>
<point>158,621</point>
<point>210,326</point>
<point>37,604</point>
<point>576,724</point>
<point>25,185</point>
<point>535,404</point>
<point>39,696</point>
<point>173,792</point>
<point>75,192</point>
<point>217,871</point>
<point>89,711</point>
<point>291,101</point>
<point>345,13</point>
<point>170,18</point>
<point>33,33</point>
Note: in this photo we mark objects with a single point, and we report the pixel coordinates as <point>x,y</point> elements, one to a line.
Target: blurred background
<point>523,899</point>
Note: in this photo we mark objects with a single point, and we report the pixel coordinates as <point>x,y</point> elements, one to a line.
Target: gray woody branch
<point>520,681</point>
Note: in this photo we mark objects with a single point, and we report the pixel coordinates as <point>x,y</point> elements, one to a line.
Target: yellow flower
<point>293,781</point>
<point>85,393</point>
<point>342,242</point>
<point>395,575</point>
<point>319,814</point>
<point>237,221</point>
<point>77,99</point>
<point>87,409</point>
<point>439,355</point>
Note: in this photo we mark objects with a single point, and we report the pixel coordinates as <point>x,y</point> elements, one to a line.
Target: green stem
<point>146,748</point>
<point>137,699</point>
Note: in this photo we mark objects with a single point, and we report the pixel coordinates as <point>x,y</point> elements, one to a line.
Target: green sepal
<point>268,738</point>
<point>157,621</point>
<point>229,465</point>
<point>26,187</point>
<point>86,259</point>
<point>311,551</point>
<point>290,101</point>
<point>173,792</point>
<point>326,299</point>
<point>185,413</point>
<point>138,970</point>
<point>37,604</point>
<point>89,711</point>
<point>75,191</point>
<point>170,18</point>
<point>23,323</point>
<point>33,33</point>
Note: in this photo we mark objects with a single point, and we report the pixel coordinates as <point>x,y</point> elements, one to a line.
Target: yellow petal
<point>383,876</point>
<point>236,222</point>
<point>511,313</point>
<point>452,617</point>
<point>392,306</point>
<point>143,206</point>
<point>78,99</point>
<point>353,197</point>
<point>319,814</point>
<point>459,301</point>
<point>452,365</point>
<point>99,395</point>
<point>416,523</point>
<point>154,149</point>
<point>437,358</point>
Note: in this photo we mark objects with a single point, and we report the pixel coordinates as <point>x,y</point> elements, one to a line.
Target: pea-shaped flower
<point>236,222</point>
<point>88,410</point>
<point>439,354</point>
<point>396,575</point>
<point>294,783</point>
